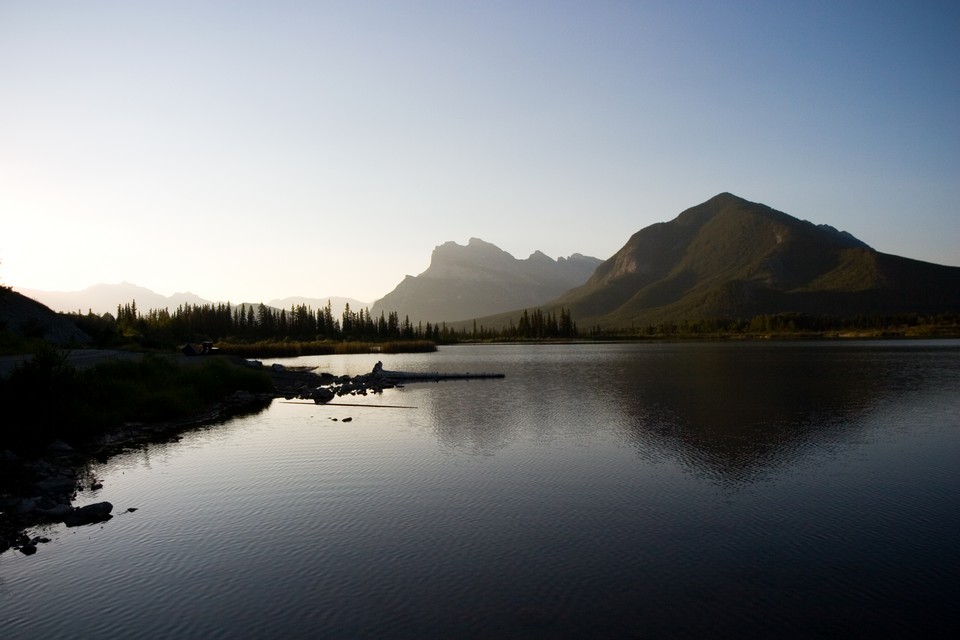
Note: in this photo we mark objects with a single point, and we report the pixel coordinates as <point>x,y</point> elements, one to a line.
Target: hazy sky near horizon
<point>248,150</point>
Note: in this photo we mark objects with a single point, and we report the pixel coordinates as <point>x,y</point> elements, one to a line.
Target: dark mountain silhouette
<point>480,279</point>
<point>24,317</point>
<point>734,259</point>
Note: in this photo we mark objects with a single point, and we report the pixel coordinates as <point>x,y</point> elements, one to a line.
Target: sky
<point>247,150</point>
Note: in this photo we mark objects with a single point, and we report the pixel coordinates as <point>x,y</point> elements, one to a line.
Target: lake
<point>687,490</point>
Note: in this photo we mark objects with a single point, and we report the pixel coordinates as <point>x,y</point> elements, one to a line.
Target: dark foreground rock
<point>90,514</point>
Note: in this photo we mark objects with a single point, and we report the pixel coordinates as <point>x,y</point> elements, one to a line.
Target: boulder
<point>322,394</point>
<point>89,514</point>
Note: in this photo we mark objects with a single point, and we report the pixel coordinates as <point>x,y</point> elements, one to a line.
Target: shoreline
<point>38,488</point>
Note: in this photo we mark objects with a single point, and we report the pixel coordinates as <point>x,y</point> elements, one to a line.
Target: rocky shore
<point>39,489</point>
<point>304,384</point>
<point>321,388</point>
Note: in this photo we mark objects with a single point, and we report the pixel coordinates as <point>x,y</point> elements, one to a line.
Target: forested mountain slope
<point>729,258</point>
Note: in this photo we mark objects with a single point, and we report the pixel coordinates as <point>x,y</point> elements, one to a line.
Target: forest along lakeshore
<point>683,490</point>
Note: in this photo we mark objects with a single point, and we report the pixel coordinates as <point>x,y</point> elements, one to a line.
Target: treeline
<point>253,323</point>
<point>795,324</point>
<point>532,325</point>
<point>160,328</point>
<point>301,323</point>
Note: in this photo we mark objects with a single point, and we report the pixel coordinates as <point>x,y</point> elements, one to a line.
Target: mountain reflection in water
<point>725,410</point>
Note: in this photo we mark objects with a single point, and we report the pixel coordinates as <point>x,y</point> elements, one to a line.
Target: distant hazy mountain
<point>480,279</point>
<point>730,258</point>
<point>104,298</point>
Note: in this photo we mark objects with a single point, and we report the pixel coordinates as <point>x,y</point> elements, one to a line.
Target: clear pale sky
<point>257,150</point>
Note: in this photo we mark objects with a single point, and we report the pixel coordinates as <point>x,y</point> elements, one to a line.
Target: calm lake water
<point>615,490</point>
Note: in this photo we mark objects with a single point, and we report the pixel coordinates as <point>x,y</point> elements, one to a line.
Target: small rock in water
<point>89,514</point>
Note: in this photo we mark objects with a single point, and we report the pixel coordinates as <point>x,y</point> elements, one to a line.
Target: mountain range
<point>104,298</point>
<point>725,258</point>
<point>480,279</point>
<point>735,259</point>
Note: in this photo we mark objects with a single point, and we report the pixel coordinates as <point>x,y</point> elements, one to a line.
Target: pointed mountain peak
<point>726,197</point>
<point>704,211</point>
<point>541,256</point>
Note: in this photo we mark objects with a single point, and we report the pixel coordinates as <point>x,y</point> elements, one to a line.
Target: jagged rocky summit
<point>480,279</point>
